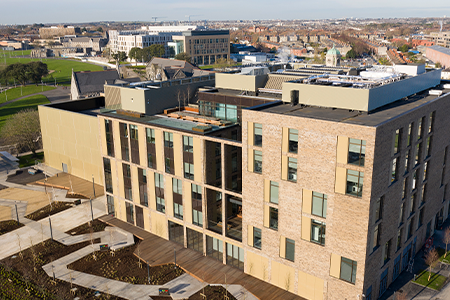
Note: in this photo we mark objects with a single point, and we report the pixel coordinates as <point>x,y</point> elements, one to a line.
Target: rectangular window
<point>409,133</point>
<point>189,171</point>
<point>419,129</point>
<point>402,207</point>
<point>125,150</point>
<point>159,193</point>
<point>235,256</point>
<point>376,237</point>
<point>431,122</point>
<point>257,163</point>
<point>318,232</point>
<point>407,161</point>
<point>129,208</point>
<point>134,132</point>
<point>168,139</point>
<point>168,165</point>
<point>214,248</point>
<point>142,179</point>
<point>348,270</point>
<point>292,169</point>
<point>151,160</point>
<point>410,227</point>
<point>108,175</point>
<point>290,249</point>
<point>414,180</point>
<point>197,210</point>
<point>355,181</point>
<point>150,135</point>
<point>293,140</point>
<point>257,134</point>
<point>257,237</point>
<point>417,154</point>
<point>424,187</point>
<point>394,165</point>
<point>234,162</point>
<point>177,189</point>
<point>378,209</point>
<point>428,145</point>
<point>425,166</point>
<point>110,204</point>
<point>194,240</point>
<point>387,248</point>
<point>356,152</point>
<point>319,205</point>
<point>109,138</point>
<point>445,155</point>
<point>273,218</point>
<point>399,239</point>
<point>421,217</point>
<point>274,192</point>
<point>160,204</point>
<point>397,138</point>
<point>412,203</point>
<point>127,181</point>
<point>188,144</point>
<point>405,186</point>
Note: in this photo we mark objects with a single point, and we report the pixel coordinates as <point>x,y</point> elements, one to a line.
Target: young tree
<point>119,56</point>
<point>23,129</point>
<point>446,239</point>
<point>157,50</point>
<point>134,53</point>
<point>431,259</point>
<point>183,56</point>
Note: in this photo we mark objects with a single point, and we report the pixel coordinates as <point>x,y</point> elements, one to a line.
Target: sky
<point>62,11</point>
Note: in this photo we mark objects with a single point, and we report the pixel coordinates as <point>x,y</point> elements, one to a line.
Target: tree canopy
<point>119,56</point>
<point>183,56</point>
<point>23,130</point>
<point>33,71</point>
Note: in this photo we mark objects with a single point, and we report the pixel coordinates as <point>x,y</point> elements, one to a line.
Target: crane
<point>189,16</point>
<point>155,18</point>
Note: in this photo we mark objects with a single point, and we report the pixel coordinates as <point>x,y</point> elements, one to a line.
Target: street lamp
<point>42,85</point>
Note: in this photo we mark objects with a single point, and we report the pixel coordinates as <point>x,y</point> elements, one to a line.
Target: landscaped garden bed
<point>124,266</point>
<point>23,177</point>
<point>24,272</point>
<point>48,210</point>
<point>97,226</point>
<point>436,281</point>
<point>8,226</point>
<point>212,292</point>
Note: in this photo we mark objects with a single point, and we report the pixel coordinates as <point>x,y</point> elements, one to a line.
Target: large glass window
<point>168,139</point>
<point>356,152</point>
<point>257,135</point>
<point>235,256</point>
<point>430,122</point>
<point>409,133</point>
<point>378,209</point>
<point>376,237</point>
<point>109,138</point>
<point>159,193</point>
<point>402,207</point>
<point>129,208</point>
<point>397,138</point>
<point>189,171</point>
<point>319,205</point>
<point>399,239</point>
<point>257,237</point>
<point>417,154</point>
<point>188,144</point>
<point>127,181</point>
<point>290,249</point>
<point>110,203</point>
<point>134,132</point>
<point>394,172</point>
<point>348,270</point>
<point>142,178</point>
<point>177,189</point>
<point>257,164</point>
<point>428,146</point>
<point>197,210</point>
<point>234,217</point>
<point>194,240</point>
<point>419,128</point>
<point>355,181</point>
<point>176,233</point>
<point>293,140</point>
<point>273,218</point>
<point>214,248</point>
<point>214,210</point>
<point>407,161</point>
<point>150,135</point>
<point>292,169</point>
<point>274,192</point>
<point>318,232</point>
<point>108,176</point>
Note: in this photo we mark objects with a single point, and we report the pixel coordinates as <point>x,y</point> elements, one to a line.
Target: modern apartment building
<point>440,38</point>
<point>323,185</point>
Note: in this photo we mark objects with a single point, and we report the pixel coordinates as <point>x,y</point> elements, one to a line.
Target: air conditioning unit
<point>356,189</point>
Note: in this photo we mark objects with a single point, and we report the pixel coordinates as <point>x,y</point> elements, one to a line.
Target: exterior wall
<point>46,33</point>
<point>245,82</point>
<point>437,56</point>
<point>316,171</point>
<point>71,138</point>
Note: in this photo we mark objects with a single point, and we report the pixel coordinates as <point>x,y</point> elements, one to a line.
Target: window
<point>125,130</point>
<point>445,155</point>
<point>274,192</point>
<point>110,204</point>
<point>412,204</point>
<point>257,238</point>
<point>378,209</point>
<point>150,135</point>
<point>273,218</point>
<point>134,132</point>
<point>194,240</point>
<point>160,204</point>
<point>108,176</point>
<point>409,133</point>
<point>214,248</point>
<point>168,139</point>
<point>399,239</point>
<point>410,227</point>
<point>129,208</point>
<point>419,129</point>
<point>431,122</point>
<point>188,144</point>
<point>257,163</point>
<point>424,187</point>
<point>405,186</point>
<point>376,237</point>
<point>402,207</point>
<point>407,161</point>
<point>189,171</point>
<point>348,270</point>
<point>292,169</point>
<point>290,249</point>
<point>417,154</point>
<point>127,181</point>
<point>319,205</point>
<point>257,140</point>
<point>234,162</point>
<point>197,215</point>
<point>394,169</point>
<point>168,163</point>
<point>354,183</point>
<point>421,217</point>
<point>318,232</point>
<point>109,138</point>
<point>397,138</point>
<point>414,180</point>
<point>428,145</point>
<point>177,189</point>
<point>293,140</point>
<point>235,256</point>
<point>425,166</point>
<point>159,187</point>
<point>356,152</point>
<point>387,248</point>
<point>151,160</point>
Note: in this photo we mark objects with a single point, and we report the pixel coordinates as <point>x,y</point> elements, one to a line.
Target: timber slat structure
<point>158,251</point>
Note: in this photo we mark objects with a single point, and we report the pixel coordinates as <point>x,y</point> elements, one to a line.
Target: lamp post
<point>42,85</point>
<point>93,184</point>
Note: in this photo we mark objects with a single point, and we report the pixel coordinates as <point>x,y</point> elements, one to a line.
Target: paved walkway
<point>59,94</point>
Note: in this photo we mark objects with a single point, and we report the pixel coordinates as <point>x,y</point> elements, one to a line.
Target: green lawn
<point>15,53</point>
<point>26,90</point>
<point>62,67</point>
<point>12,108</point>
<point>441,253</point>
<point>436,281</point>
<point>30,159</point>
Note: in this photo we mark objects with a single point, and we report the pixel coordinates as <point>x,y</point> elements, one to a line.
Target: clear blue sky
<point>52,11</point>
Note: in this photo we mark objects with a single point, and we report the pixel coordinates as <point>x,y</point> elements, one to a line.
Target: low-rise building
<point>439,54</point>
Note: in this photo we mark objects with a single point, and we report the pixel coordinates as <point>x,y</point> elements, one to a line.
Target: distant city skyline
<point>50,11</point>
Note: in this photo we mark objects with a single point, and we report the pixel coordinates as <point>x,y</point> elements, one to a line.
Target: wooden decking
<point>158,251</point>
<point>71,183</point>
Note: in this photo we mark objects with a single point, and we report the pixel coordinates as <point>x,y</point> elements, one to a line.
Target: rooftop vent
<point>435,92</point>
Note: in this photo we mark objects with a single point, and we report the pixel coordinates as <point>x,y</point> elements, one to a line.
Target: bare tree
<point>446,239</point>
<point>23,130</point>
<point>139,254</point>
<point>431,259</point>
<point>91,236</point>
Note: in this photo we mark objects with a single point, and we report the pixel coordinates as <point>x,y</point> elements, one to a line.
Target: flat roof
<point>373,118</point>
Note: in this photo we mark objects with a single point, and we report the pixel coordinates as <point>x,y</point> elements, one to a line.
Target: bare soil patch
<point>97,226</point>
<point>124,266</point>
<point>8,226</point>
<point>48,210</point>
<point>212,292</point>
